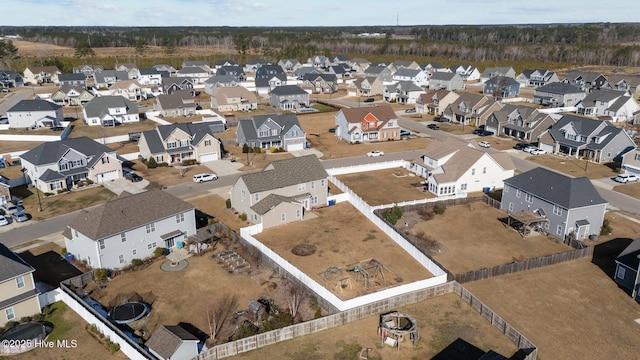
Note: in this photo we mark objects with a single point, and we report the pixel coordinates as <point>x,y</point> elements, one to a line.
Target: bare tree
<point>295,295</point>
<point>218,312</point>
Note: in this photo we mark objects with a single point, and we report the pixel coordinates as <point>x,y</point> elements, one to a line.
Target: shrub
<point>101,274</point>
<point>60,191</point>
<point>273,150</point>
<point>243,217</point>
<point>606,227</point>
<point>38,317</point>
<point>159,251</point>
<point>440,208</point>
<point>10,324</point>
<point>257,150</point>
<point>47,193</point>
<point>392,215</point>
<point>151,163</point>
<point>426,214</point>
<point>317,314</point>
<point>245,148</point>
<point>112,347</point>
<point>190,162</point>
<point>163,164</point>
<point>228,202</point>
<point>25,319</point>
<point>89,181</point>
<point>136,262</point>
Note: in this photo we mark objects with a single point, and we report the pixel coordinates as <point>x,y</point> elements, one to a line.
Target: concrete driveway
<point>117,186</point>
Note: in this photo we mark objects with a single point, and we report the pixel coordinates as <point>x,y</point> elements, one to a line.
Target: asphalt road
<point>15,96</point>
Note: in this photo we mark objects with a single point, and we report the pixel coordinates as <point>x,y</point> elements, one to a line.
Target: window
<point>160,158</point>
<point>528,198</point>
<point>243,193</point>
<point>506,188</point>
<point>510,207</point>
<point>151,228</point>
<point>20,281</point>
<point>184,143</point>
<point>557,210</point>
<point>179,218</point>
<point>517,193</point>
<point>101,244</point>
<point>10,314</point>
<point>313,184</point>
<point>56,185</point>
<point>559,230</point>
<point>171,145</point>
<point>256,197</point>
<point>134,252</point>
<point>637,157</point>
<point>484,170</point>
<point>121,258</point>
<point>207,143</point>
<point>314,200</point>
<point>302,187</point>
<point>620,272</point>
<point>123,237</point>
<point>473,171</point>
<point>322,182</point>
<point>463,187</point>
<point>105,160</point>
<point>153,245</point>
<point>298,214</point>
<point>263,133</point>
<point>283,217</point>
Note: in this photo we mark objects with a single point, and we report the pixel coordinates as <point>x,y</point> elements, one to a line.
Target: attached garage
<point>294,147</point>
<point>107,176</point>
<point>208,157</point>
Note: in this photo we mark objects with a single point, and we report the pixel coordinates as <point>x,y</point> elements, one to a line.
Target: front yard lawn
<point>632,190</point>
<point>575,167</point>
<point>387,186</point>
<point>58,204</point>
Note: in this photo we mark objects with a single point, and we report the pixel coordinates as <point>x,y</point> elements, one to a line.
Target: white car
<point>625,178</point>
<point>484,144</point>
<point>537,151</point>
<point>529,149</point>
<point>375,153</point>
<point>9,208</point>
<point>199,178</point>
<point>3,221</point>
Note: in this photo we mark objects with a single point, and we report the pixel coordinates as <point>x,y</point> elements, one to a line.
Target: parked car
<point>485,133</point>
<point>405,133</point>
<point>20,217</point>
<point>133,177</point>
<point>332,130</point>
<point>375,153</point>
<point>440,119</point>
<point>9,208</point>
<point>538,151</point>
<point>484,144</point>
<point>409,111</point>
<point>4,90</point>
<point>433,126</point>
<point>529,148</point>
<point>625,178</point>
<point>3,221</point>
<point>199,178</point>
<point>520,146</point>
<point>368,100</point>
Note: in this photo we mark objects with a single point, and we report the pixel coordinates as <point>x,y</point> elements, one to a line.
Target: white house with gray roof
<point>195,73</point>
<point>129,227</point>
<point>173,343</point>
<point>271,131</point>
<point>403,92</point>
<point>149,76</point>
<point>110,111</point>
<point>34,114</point>
<point>282,191</point>
<point>289,97</point>
<point>558,94</point>
<point>613,104</point>
<point>175,143</point>
<point>60,165</point>
<point>18,292</point>
<point>563,205</point>
<point>416,76</point>
<point>441,80</point>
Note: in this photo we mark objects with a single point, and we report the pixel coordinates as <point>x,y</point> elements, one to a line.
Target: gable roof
<point>250,126</point>
<point>34,105</point>
<point>560,88</point>
<point>284,173</point>
<point>192,70</point>
<point>51,152</point>
<point>44,69</point>
<point>222,79</point>
<point>445,76</point>
<point>174,101</point>
<point>149,71</point>
<point>582,125</point>
<point>189,63</point>
<point>12,265</point>
<point>629,256</point>
<point>222,94</point>
<point>126,212</point>
<point>166,340</point>
<point>557,188</point>
<point>71,77</point>
<point>288,90</point>
<point>326,77</point>
<point>356,115</point>
<point>407,72</point>
<point>272,200</point>
<point>101,104</point>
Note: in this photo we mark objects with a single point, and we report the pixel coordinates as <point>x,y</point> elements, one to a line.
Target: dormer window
<point>597,139</point>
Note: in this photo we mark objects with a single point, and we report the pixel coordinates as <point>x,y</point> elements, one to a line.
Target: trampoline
<point>26,335</point>
<point>129,312</point>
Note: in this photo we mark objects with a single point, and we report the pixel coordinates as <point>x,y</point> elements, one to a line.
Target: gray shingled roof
<point>559,88</point>
<point>629,256</point>
<point>192,70</point>
<point>442,75</point>
<point>71,77</point>
<point>101,104</point>
<point>173,101</point>
<point>582,125</point>
<point>127,212</point>
<point>166,340</point>
<point>407,72</point>
<point>149,71</point>
<point>557,188</point>
<point>12,265</point>
<point>34,105</point>
<point>51,152</point>
<point>284,173</point>
<point>272,200</point>
<point>288,90</point>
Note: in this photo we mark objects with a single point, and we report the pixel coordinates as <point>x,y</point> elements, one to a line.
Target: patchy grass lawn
<point>12,146</point>
<point>441,320</point>
<point>575,167</point>
<point>167,175</point>
<point>405,184</point>
<point>456,128</point>
<point>473,238</point>
<point>61,203</point>
<point>344,238</point>
<point>96,131</point>
<point>497,143</point>
<point>215,206</point>
<point>632,190</point>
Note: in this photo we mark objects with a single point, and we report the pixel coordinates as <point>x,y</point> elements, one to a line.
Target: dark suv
<point>367,100</point>
<point>133,177</point>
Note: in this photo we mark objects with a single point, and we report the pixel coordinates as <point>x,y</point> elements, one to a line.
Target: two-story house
<point>442,80</point>
<point>359,65</point>
<point>175,143</point>
<point>320,83</point>
<point>403,64</point>
<point>471,108</point>
<point>72,80</point>
<point>225,62</point>
<point>521,122</point>
<point>435,101</point>
<point>501,87</point>
<point>631,162</point>
<point>455,167</point>
<point>71,96</point>
<point>88,70</point>
<point>59,165</point>
<point>381,72</point>
<point>416,76</point>
<point>587,138</point>
<point>130,68</point>
<point>10,79</point>
<point>196,74</point>
<point>319,61</point>
<point>149,76</point>
<point>218,81</point>
<point>272,131</point>
<point>266,84</point>
<point>282,191</point>
<point>558,94</point>
<point>402,92</point>
<point>613,104</point>
<point>197,63</point>
<point>341,71</point>
<point>34,114</point>
<point>628,268</point>
<point>367,124</point>
<point>166,68</point>
<point>106,78</point>
<point>490,72</point>
<point>130,226</point>
<point>536,77</point>
<point>109,111</point>
<point>254,64</point>
<point>128,89</point>
<point>289,65</point>
<point>179,103</point>
<point>41,75</point>
<point>233,70</point>
<point>18,292</point>
<point>586,81</point>
<point>289,97</point>
<point>368,86</point>
<point>170,85</point>
<point>467,72</point>
<point>563,205</point>
<point>236,98</point>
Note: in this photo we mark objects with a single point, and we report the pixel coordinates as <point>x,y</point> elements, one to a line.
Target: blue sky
<point>308,13</point>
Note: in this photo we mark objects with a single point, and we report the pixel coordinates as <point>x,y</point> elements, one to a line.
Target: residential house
<point>435,101</point>
<point>536,77</point>
<point>218,81</point>
<point>196,74</point>
<point>586,81</point>
<point>173,343</point>
<point>34,114</point>
<point>272,131</point>
<point>319,61</point>
<point>369,86</point>
<point>612,104</point>
<point>453,167</point>
<point>339,59</point>
<point>381,72</point>
<point>41,75</point>
<point>254,64</point>
<point>175,143</point>
<point>10,79</point>
<point>471,108</point>
<point>170,85</point>
<point>433,67</point>
<point>341,71</point>
<point>5,188</point>
<point>264,85</point>
<point>225,62</point>
<point>130,226</point>
<point>197,63</point>
<point>129,68</point>
<point>233,70</point>
<point>88,71</point>
<point>403,92</point>
<point>166,68</point>
<point>403,64</point>
<point>441,80</point>
<point>558,94</point>
<point>627,269</point>
<point>106,78</point>
<point>282,192</point>
<point>587,138</point>
<point>108,111</point>
<point>179,103</point>
<point>289,97</point>
<point>630,83</point>
<point>71,95</point>
<point>504,71</point>
<point>149,76</point>
<point>268,71</point>
<point>289,65</point>
<point>359,65</point>
<point>18,292</point>
<point>60,165</point>
<point>72,80</point>
<point>501,87</point>
<point>631,162</point>
<point>238,98</point>
<point>367,124</point>
<point>466,72</point>
<point>304,70</point>
<point>520,122</point>
<point>319,83</point>
<point>416,76</point>
<point>564,205</point>
<point>129,89</point>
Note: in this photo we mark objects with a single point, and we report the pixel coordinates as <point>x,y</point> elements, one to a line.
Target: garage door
<point>107,176</point>
<point>293,147</point>
<point>208,157</point>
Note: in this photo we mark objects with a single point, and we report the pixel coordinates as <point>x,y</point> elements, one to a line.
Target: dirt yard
<point>374,186</point>
<point>441,321</point>
<point>632,190</point>
<point>343,238</point>
<point>575,167</point>
<point>472,238</point>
